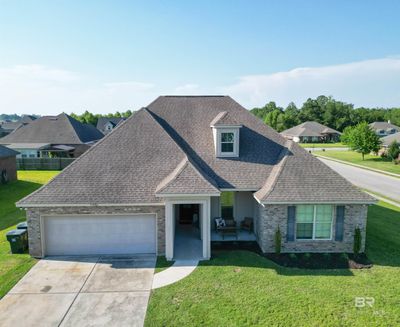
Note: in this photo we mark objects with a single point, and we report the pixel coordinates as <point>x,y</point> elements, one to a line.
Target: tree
<point>361,138</point>
<point>393,151</point>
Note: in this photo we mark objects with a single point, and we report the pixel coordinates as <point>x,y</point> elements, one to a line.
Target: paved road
<point>370,180</point>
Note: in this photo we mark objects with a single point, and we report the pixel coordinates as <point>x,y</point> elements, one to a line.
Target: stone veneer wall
<point>272,216</point>
<point>35,235</point>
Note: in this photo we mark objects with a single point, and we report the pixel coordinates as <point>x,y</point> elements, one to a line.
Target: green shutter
<point>291,223</point>
<point>339,223</point>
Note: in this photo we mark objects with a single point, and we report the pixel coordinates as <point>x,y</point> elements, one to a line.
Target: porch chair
<point>247,224</point>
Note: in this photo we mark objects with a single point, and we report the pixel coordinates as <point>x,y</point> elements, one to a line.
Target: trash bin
<point>18,239</point>
<point>22,225</point>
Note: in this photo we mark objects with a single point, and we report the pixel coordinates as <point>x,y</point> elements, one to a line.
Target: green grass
<point>14,266</point>
<point>241,288</point>
<point>323,145</point>
<point>162,264</point>
<point>370,161</point>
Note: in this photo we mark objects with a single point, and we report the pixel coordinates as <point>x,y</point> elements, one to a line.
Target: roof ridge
<point>200,171</point>
<point>71,124</point>
<point>275,173</point>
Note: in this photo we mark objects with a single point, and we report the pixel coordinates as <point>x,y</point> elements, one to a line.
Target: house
<point>311,132</point>
<point>8,164</point>
<point>106,125</point>
<point>387,140</point>
<point>9,126</point>
<point>383,128</point>
<point>158,181</point>
<point>52,136</point>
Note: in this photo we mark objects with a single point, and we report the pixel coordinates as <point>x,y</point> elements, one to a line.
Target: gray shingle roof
<point>61,129</point>
<point>168,148</point>
<point>102,121</point>
<point>6,152</point>
<point>387,140</point>
<point>383,125</point>
<point>309,128</point>
<point>224,119</point>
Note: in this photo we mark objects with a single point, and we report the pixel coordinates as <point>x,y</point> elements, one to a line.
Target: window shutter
<point>291,223</point>
<point>339,223</point>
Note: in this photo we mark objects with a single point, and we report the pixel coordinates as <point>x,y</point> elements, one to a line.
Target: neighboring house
<point>387,140</point>
<point>8,127</point>
<point>59,136</point>
<point>8,164</point>
<point>383,128</point>
<point>311,132</point>
<point>173,167</point>
<point>106,125</point>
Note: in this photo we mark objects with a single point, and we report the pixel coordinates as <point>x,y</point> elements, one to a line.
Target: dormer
<point>226,135</point>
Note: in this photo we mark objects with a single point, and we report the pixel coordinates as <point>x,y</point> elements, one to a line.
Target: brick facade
<point>272,216</point>
<point>10,165</point>
<point>35,233</point>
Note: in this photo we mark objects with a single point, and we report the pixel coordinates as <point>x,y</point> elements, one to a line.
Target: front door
<point>187,212</point>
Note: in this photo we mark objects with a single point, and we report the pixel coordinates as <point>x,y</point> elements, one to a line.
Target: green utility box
<point>18,239</point>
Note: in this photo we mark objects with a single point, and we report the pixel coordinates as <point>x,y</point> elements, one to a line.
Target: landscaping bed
<point>321,260</point>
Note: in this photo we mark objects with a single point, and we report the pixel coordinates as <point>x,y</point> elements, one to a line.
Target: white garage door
<point>86,234</point>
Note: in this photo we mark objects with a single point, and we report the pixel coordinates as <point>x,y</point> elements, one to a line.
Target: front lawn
<point>323,145</point>
<point>14,266</point>
<point>241,288</point>
<point>370,161</point>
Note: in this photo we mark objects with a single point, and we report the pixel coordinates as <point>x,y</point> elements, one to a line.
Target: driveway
<point>81,291</point>
<point>376,182</point>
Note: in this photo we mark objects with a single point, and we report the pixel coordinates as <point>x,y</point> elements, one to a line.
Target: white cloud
<point>45,90</point>
<point>364,83</point>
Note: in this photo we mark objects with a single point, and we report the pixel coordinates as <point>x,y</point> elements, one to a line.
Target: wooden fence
<point>43,163</point>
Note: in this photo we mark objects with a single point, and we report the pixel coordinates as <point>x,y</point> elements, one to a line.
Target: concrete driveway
<point>81,291</point>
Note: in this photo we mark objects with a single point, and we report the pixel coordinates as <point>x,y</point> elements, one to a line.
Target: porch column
<point>206,212</point>
<point>169,230</point>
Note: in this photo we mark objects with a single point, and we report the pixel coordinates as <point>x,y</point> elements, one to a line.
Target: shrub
<point>307,256</point>
<point>357,241</point>
<point>293,256</point>
<point>278,241</point>
<point>393,151</point>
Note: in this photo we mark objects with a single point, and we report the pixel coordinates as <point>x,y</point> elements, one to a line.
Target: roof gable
<point>61,129</point>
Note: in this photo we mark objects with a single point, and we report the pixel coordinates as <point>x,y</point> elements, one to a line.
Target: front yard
<point>323,145</point>
<point>241,288</point>
<point>370,161</point>
<point>14,266</point>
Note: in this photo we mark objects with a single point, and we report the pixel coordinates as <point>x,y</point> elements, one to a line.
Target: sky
<point>105,56</point>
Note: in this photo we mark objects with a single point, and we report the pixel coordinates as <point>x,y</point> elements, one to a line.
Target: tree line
<point>90,118</point>
<point>324,110</point>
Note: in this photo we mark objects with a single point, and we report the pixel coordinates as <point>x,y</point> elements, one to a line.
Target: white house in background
<point>383,128</point>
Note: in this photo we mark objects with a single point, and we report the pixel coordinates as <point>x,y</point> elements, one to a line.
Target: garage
<point>99,234</point>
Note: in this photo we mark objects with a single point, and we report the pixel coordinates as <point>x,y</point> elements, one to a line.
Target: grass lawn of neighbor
<point>370,161</point>
<point>241,288</point>
<point>14,266</point>
<point>323,145</point>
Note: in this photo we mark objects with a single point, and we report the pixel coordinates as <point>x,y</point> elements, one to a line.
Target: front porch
<point>191,223</point>
<point>242,235</point>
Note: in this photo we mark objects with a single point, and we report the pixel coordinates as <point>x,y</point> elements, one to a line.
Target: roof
<point>168,148</point>
<point>102,121</point>
<point>309,128</point>
<point>387,140</point>
<point>61,129</point>
<point>6,152</point>
<point>383,125</point>
<point>26,145</point>
<point>224,119</point>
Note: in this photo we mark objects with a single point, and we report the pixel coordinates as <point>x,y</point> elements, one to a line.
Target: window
<point>314,222</point>
<point>227,200</point>
<point>227,142</point>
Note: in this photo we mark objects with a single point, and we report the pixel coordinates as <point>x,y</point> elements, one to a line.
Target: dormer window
<point>226,135</point>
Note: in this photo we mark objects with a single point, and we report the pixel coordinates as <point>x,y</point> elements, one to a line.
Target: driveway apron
<point>81,291</point>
